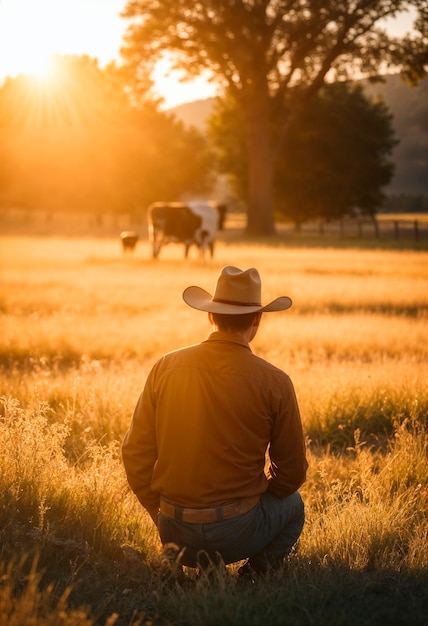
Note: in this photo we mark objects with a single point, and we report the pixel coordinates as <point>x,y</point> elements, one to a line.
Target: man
<point>209,421</point>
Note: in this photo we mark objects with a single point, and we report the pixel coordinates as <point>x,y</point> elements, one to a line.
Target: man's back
<point>215,409</point>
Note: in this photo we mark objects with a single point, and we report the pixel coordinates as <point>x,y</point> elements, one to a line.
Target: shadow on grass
<point>126,591</point>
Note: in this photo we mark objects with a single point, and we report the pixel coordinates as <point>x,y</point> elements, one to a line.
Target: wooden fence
<point>360,228</point>
<point>397,228</point>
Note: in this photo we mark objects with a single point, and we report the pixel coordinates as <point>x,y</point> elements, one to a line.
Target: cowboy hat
<point>237,292</point>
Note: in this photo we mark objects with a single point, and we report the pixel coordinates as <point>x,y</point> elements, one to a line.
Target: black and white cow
<point>179,222</point>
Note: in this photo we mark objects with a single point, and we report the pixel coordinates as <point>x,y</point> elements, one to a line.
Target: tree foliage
<point>75,142</point>
<point>259,49</point>
<point>335,158</point>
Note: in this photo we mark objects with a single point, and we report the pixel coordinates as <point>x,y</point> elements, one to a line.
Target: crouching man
<point>195,452</point>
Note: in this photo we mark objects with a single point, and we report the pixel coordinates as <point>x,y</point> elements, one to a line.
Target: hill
<point>194,113</point>
<point>409,107</point>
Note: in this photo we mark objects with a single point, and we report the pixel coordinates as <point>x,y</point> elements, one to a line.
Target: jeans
<point>265,534</point>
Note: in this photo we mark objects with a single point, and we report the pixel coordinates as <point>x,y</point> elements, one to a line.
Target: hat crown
<point>241,287</point>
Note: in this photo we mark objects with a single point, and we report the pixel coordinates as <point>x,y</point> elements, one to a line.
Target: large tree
<point>258,49</point>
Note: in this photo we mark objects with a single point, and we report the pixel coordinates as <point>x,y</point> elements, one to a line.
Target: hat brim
<point>198,298</point>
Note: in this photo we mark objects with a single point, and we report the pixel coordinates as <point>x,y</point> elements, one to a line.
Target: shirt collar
<point>223,335</point>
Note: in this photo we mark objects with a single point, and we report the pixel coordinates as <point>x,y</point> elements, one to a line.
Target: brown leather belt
<point>205,516</point>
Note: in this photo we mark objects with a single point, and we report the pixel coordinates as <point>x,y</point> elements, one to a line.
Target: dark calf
<point>129,240</point>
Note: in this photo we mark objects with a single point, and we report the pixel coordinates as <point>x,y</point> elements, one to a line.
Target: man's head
<point>235,323</point>
<point>237,292</point>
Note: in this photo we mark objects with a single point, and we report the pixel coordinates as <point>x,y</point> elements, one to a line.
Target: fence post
<point>376,227</point>
<point>396,229</point>
<point>416,224</point>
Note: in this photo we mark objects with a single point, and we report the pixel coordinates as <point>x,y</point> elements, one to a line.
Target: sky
<point>31,30</point>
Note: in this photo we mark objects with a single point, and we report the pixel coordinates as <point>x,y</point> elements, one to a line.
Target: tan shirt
<point>203,423</point>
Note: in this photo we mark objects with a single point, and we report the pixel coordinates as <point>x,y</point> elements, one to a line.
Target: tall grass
<point>369,510</point>
<point>83,503</point>
<point>81,327</point>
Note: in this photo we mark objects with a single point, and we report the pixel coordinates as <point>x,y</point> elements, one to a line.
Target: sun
<point>25,44</point>
<point>31,33</point>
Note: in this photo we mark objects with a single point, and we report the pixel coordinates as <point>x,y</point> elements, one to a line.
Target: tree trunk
<point>376,225</point>
<point>260,220</point>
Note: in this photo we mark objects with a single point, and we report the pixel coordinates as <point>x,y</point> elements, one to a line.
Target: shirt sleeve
<point>287,450</point>
<point>139,449</point>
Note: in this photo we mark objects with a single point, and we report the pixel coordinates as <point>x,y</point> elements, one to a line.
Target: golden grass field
<point>81,325</point>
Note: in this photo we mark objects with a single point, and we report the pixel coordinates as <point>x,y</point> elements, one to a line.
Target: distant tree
<point>259,49</point>
<point>161,159</point>
<point>335,158</point>
<point>76,142</point>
